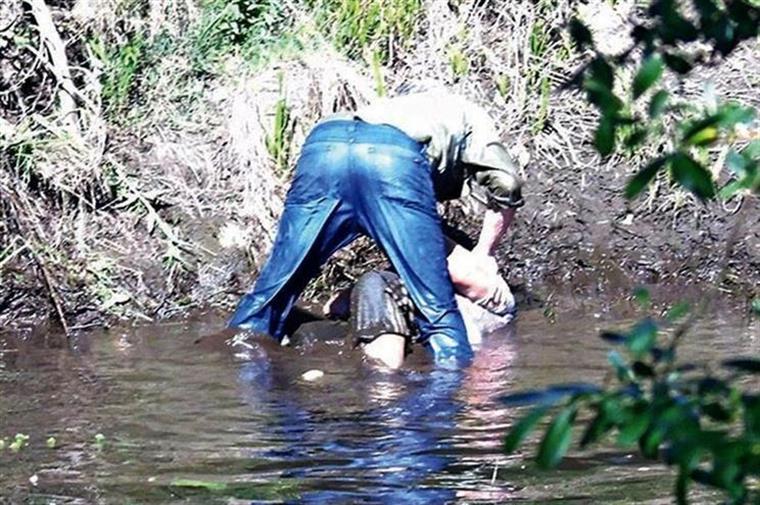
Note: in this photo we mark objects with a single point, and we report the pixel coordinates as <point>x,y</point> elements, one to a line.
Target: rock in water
<point>312,375</point>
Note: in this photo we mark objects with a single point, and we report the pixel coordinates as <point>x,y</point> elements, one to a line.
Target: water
<point>190,423</point>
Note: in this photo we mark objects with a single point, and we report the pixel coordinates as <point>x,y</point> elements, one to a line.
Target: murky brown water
<point>253,431</point>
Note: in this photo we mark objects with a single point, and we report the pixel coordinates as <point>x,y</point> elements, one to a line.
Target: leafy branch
<point>702,420</point>
<point>665,40</point>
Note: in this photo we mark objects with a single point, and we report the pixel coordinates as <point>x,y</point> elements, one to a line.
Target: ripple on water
<point>196,426</point>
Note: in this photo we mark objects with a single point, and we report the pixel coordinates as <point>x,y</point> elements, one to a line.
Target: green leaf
<point>752,413</point>
<point>756,306</point>
<point>717,412</point>
<point>557,439</point>
<point>522,429</point>
<point>692,176</point>
<point>642,297</point>
<point>752,150</point>
<point>635,425</point>
<point>649,443</point>
<point>677,63</point>
<point>604,138</point>
<point>710,122</point>
<point>601,71</point>
<point>612,337</point>
<point>751,365</point>
<point>642,179</point>
<point>603,97</point>
<point>648,74</point>
<point>737,163</point>
<point>642,337</point>
<point>732,114</point>
<point>642,369</point>
<point>581,34</point>
<point>730,189</point>
<point>658,103</point>
<point>682,487</point>
<point>608,411</point>
<point>677,311</point>
<point>624,373</point>
<point>636,137</point>
<point>703,137</point>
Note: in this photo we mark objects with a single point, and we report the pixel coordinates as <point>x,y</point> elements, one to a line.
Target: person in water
<point>379,171</point>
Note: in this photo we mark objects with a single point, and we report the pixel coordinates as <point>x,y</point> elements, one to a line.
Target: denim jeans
<point>355,178</point>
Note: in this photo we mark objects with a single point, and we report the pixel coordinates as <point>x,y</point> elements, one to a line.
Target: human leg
<point>302,246</point>
<point>398,211</point>
<point>380,317</point>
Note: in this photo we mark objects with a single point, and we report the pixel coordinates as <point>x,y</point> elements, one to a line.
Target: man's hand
<point>476,276</point>
<point>501,301</point>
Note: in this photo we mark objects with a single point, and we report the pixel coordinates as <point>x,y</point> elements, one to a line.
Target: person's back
<point>378,172</point>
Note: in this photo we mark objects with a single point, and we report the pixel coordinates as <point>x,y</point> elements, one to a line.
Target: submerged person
<point>382,316</point>
<point>378,172</point>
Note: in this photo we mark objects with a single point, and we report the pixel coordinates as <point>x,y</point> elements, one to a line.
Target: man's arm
<point>495,225</point>
<point>475,273</point>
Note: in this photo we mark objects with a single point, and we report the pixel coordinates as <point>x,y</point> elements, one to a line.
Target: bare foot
<point>388,349</point>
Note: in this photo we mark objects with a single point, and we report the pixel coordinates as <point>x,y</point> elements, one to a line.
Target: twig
<point>59,64</point>
<point>52,292</point>
<point>39,261</point>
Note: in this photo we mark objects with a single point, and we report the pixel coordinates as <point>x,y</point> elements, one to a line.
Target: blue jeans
<point>355,178</point>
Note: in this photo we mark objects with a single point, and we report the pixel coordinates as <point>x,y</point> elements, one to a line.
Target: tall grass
<point>247,27</point>
<point>361,28</point>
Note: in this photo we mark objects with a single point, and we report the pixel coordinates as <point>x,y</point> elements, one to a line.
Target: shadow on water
<point>189,423</point>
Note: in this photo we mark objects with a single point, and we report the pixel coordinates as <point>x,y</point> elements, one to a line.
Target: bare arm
<point>475,273</point>
<point>495,225</point>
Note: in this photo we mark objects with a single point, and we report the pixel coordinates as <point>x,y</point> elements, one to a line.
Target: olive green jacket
<point>460,136</point>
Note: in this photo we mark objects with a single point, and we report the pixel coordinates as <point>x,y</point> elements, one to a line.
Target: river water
<point>183,422</point>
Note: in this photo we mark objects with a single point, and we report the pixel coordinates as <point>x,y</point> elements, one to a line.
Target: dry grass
<point>174,204</point>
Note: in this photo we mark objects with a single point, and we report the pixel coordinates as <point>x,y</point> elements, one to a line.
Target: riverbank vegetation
<point>146,145</point>
<point>701,418</point>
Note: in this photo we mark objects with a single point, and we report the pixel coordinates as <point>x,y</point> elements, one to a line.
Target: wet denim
<point>355,178</point>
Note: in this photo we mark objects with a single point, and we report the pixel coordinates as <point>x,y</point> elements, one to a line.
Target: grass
<point>192,107</point>
<point>122,65</point>
<point>361,28</point>
<point>250,28</point>
<point>279,139</point>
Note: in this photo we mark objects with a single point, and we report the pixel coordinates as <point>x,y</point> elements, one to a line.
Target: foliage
<point>121,68</point>
<point>226,26</point>
<point>364,27</point>
<point>665,38</point>
<point>278,141</point>
<point>702,421</point>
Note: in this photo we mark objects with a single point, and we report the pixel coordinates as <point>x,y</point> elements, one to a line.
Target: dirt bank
<point>164,201</point>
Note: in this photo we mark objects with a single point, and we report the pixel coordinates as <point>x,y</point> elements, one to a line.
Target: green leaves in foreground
<point>684,170</point>
<point>691,175</point>
<point>648,75</point>
<point>557,439</point>
<point>694,418</point>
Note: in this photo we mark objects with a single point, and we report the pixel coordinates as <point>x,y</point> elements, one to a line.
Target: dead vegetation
<point>146,145</point>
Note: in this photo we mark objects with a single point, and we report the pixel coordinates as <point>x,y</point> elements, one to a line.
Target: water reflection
<point>255,430</point>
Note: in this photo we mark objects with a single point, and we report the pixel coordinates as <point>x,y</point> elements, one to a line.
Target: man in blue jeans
<point>379,172</point>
